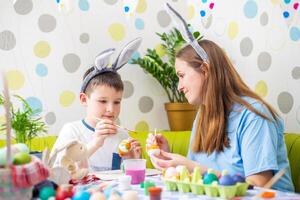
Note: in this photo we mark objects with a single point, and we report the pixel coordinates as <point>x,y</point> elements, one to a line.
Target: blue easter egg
<point>81,195</point>
<point>226,180</point>
<point>238,178</point>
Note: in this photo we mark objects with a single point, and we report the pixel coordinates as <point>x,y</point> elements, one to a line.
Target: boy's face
<point>104,102</point>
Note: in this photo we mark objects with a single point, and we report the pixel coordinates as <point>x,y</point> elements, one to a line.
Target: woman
<point>234,129</point>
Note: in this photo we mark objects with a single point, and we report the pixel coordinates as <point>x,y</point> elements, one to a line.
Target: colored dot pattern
<point>46,50</point>
<point>41,70</point>
<point>71,62</point>
<point>15,79</point>
<point>250,9</point>
<point>66,98</point>
<point>42,49</point>
<point>35,104</point>
<point>7,40</point>
<point>47,23</point>
<point>117,31</point>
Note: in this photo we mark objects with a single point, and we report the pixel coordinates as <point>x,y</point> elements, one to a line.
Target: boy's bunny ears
<point>182,26</point>
<point>101,64</point>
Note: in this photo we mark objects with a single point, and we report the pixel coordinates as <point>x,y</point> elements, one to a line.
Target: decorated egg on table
<point>81,195</point>
<point>46,193</point>
<point>124,147</point>
<point>226,179</point>
<point>171,173</point>
<point>237,178</point>
<point>64,191</point>
<point>21,158</point>
<point>210,177</point>
<point>153,150</point>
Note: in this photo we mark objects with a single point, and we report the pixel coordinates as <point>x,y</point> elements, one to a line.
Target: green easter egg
<point>209,178</point>
<point>46,193</point>
<point>21,158</point>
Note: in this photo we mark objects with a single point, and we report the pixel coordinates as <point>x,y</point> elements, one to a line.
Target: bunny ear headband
<point>101,64</point>
<point>182,26</point>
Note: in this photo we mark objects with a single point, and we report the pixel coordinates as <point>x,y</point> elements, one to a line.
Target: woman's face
<point>191,81</point>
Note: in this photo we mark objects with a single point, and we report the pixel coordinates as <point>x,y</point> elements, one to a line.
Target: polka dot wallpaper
<point>46,46</point>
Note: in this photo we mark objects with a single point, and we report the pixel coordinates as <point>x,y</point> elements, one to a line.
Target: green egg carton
<point>241,189</point>
<point>183,186</point>
<point>227,192</point>
<point>211,190</point>
<point>197,188</point>
<point>170,184</point>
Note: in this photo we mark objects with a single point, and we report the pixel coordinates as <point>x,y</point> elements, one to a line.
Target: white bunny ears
<point>182,26</point>
<point>102,61</point>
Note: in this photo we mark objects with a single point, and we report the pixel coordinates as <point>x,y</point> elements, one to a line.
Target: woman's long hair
<point>222,88</point>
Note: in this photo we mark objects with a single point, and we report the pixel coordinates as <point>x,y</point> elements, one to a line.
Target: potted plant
<point>180,113</point>
<point>25,123</point>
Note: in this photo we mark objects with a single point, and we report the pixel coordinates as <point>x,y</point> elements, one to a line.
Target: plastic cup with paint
<point>136,168</point>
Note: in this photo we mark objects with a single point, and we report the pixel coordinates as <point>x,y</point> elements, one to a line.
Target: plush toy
<point>72,153</point>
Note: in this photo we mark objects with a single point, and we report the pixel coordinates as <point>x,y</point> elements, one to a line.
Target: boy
<point>101,94</point>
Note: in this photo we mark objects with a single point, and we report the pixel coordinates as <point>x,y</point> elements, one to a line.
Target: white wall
<point>45,52</point>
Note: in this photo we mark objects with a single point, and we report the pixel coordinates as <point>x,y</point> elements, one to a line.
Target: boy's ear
<point>83,98</point>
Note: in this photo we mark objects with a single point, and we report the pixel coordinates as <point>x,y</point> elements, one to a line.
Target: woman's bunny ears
<point>101,64</point>
<point>182,26</point>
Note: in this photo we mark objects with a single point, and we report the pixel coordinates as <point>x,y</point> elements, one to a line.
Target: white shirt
<point>80,130</point>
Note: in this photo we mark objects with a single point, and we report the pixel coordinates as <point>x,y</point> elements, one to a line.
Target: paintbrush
<point>121,127</point>
<point>271,182</point>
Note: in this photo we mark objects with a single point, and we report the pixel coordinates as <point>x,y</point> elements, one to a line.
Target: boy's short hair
<point>111,79</point>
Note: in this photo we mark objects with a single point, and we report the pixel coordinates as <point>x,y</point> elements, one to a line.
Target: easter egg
<point>237,178</point>
<point>64,192</point>
<point>209,178</point>
<point>46,193</point>
<point>81,195</point>
<point>171,173</point>
<point>226,180</point>
<point>153,150</point>
<point>124,147</point>
<point>21,158</point>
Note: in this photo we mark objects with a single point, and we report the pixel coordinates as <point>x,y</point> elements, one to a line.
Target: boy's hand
<point>135,151</point>
<point>159,140</point>
<point>103,129</point>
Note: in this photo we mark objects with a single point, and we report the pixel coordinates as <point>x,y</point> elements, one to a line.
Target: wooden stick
<point>274,179</point>
<point>121,127</point>
<point>271,182</point>
<point>7,105</point>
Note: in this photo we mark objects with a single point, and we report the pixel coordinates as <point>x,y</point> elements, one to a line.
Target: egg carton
<point>239,189</point>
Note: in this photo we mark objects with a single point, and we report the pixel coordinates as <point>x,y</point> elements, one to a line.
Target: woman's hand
<point>159,140</point>
<point>135,151</point>
<point>165,160</point>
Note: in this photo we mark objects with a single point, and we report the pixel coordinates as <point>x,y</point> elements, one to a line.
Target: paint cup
<point>136,168</point>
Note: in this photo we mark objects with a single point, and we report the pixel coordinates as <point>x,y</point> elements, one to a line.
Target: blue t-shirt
<point>256,145</point>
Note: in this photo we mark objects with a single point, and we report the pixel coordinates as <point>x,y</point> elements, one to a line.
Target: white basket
<point>9,191</point>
